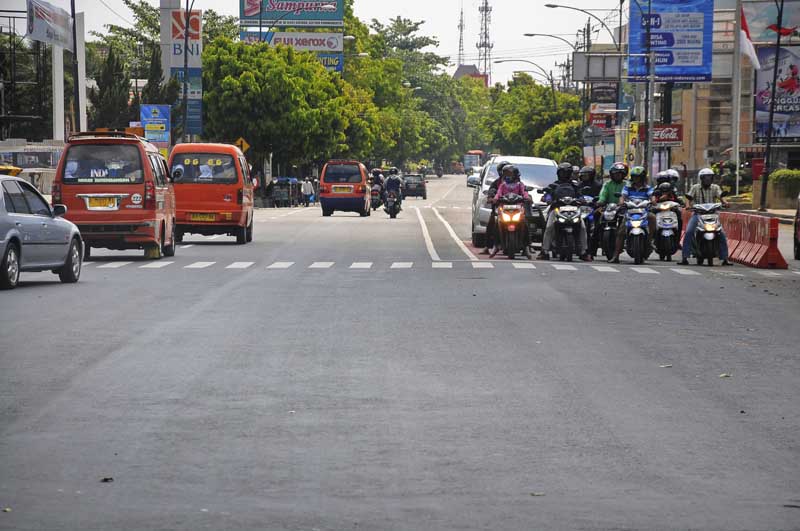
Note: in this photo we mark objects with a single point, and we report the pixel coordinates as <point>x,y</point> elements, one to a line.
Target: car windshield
<point>535,175</point>
<point>342,173</point>
<point>103,163</point>
<point>414,178</point>
<point>205,168</point>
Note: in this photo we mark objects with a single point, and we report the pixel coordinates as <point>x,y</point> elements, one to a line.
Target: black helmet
<point>564,171</point>
<point>639,172</point>
<point>587,170</point>
<point>376,172</point>
<point>665,187</point>
<point>500,166</point>
<point>618,169</point>
<point>393,171</point>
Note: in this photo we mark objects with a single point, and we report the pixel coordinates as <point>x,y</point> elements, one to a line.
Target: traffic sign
<point>243,145</point>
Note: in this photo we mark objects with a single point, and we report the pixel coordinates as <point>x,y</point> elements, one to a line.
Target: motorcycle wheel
<point>569,246</point>
<point>710,261</point>
<point>609,241</point>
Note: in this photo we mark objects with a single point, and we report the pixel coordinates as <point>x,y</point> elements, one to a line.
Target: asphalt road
<point>347,373</point>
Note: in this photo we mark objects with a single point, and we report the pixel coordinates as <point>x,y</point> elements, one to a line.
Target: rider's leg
<point>688,238</point>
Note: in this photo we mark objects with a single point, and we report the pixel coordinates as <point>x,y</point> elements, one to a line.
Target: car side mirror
<point>541,191</point>
<point>255,182</point>
<point>473,181</point>
<point>177,174</point>
<point>59,210</point>
<point>529,188</point>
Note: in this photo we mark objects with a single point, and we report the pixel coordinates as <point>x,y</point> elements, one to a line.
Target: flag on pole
<point>746,44</point>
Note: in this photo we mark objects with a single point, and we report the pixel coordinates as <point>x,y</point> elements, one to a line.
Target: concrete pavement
<point>336,373</point>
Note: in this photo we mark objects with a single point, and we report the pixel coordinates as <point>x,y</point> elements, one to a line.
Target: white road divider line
<point>361,265</point>
<point>427,236</point>
<point>156,265</point>
<point>214,237</point>
<point>281,265</point>
<point>482,265</point>
<point>681,271</point>
<point>187,246</point>
<point>645,271</point>
<point>523,265</point>
<point>769,274</point>
<point>240,265</point>
<point>199,265</point>
<point>442,265</point>
<point>563,267</point>
<point>605,269</point>
<point>114,265</point>
<point>321,265</point>
<point>455,236</point>
<point>796,272</point>
<point>402,265</point>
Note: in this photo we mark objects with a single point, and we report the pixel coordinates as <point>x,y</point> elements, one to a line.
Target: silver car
<point>536,173</point>
<point>35,237</point>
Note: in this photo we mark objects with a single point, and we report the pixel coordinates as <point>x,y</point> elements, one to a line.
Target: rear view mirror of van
<point>177,173</point>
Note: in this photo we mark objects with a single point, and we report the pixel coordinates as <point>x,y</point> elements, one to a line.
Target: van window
<point>342,173</point>
<point>103,164</point>
<point>205,168</point>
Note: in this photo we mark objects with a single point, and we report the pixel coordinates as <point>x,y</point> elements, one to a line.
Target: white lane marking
<point>445,194</point>
<point>769,274</point>
<point>427,236</point>
<point>113,265</point>
<point>686,272</point>
<point>605,269</point>
<point>199,265</point>
<point>214,237</point>
<point>294,212</point>
<point>442,265</point>
<point>482,265</point>
<point>455,236</point>
<point>645,271</point>
<point>281,265</point>
<point>321,265</point>
<point>402,265</point>
<point>187,246</point>
<point>563,267</point>
<point>240,265</point>
<point>156,265</point>
<point>361,265</point>
<point>796,272</point>
<point>523,265</point>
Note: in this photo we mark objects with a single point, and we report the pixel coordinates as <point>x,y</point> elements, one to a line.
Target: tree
<point>562,143</point>
<point>110,98</point>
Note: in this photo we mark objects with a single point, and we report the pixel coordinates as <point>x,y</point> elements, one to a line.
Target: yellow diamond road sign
<point>243,145</point>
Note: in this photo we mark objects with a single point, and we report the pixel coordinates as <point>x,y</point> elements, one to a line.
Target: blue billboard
<point>293,13</point>
<point>194,104</point>
<point>156,122</point>
<point>681,35</point>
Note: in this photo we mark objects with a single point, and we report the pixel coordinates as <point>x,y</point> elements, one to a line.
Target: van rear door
<point>209,184</point>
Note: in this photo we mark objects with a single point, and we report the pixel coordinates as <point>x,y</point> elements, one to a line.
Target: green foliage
<point>33,100</point>
<point>562,143</point>
<point>788,180</point>
<point>110,98</point>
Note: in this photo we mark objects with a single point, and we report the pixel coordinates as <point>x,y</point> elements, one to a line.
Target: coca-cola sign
<point>664,135</point>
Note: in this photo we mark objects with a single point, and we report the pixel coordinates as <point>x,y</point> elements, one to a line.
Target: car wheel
<point>70,272</point>
<point>424,197</point>
<point>241,235</point>
<point>478,239</point>
<point>327,212</point>
<point>250,231</point>
<point>178,236</point>
<point>169,250</point>
<point>87,251</point>
<point>10,267</point>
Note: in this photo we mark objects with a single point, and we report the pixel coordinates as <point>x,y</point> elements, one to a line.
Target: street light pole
<point>76,86</point>
<point>184,102</point>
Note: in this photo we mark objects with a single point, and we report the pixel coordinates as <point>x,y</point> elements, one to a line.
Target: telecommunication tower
<point>461,38</point>
<point>485,43</point>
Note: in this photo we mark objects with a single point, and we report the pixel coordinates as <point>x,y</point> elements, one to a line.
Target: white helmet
<point>706,176</point>
<point>673,174</point>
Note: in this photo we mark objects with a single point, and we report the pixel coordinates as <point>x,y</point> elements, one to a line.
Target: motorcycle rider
<point>588,179</point>
<point>491,226</point>
<point>377,177</point>
<point>614,186</point>
<point>565,186</point>
<point>665,191</point>
<point>637,189</point>
<point>394,184</point>
<point>512,184</point>
<point>705,192</point>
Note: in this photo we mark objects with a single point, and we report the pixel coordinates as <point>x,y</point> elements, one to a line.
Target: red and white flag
<point>746,44</point>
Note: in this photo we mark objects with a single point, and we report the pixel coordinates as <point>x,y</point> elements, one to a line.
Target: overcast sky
<point>510,19</point>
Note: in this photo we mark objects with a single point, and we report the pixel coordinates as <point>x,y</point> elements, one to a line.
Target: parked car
<point>536,173</point>
<point>35,237</point>
<point>415,185</point>
<point>118,192</point>
<point>344,185</point>
<point>797,230</point>
<point>213,191</point>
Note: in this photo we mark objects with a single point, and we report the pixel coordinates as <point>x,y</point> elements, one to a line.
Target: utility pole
<point>768,159</point>
<point>651,74</point>
<point>461,38</point>
<point>75,74</point>
<point>485,43</point>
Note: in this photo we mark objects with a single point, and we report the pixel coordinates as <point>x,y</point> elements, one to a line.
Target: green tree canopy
<point>562,143</point>
<point>110,99</point>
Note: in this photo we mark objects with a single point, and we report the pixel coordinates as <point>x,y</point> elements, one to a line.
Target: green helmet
<point>638,171</point>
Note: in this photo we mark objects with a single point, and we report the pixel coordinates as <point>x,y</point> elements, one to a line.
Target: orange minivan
<point>213,190</point>
<point>117,190</point>
<point>344,186</point>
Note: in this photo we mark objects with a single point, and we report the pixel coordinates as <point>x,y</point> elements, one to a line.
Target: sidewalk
<point>786,217</point>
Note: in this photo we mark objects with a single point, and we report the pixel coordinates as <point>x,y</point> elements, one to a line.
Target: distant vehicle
<point>415,185</point>
<point>536,173</point>
<point>34,236</point>
<point>119,193</point>
<point>344,185</point>
<point>213,191</point>
<point>473,158</point>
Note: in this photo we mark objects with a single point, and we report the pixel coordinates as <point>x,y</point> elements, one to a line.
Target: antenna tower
<point>461,38</point>
<point>485,43</point>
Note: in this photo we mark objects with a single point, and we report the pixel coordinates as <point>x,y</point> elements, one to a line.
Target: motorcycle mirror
<point>529,188</point>
<point>541,191</point>
<point>586,190</point>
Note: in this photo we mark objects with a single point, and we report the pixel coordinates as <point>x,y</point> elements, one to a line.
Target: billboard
<point>173,34</point>
<point>681,34</point>
<point>304,42</point>
<point>49,24</point>
<point>761,14</point>
<point>786,122</point>
<point>155,121</point>
<point>294,13</point>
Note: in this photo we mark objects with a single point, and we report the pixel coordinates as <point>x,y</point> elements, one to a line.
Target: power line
<point>112,10</point>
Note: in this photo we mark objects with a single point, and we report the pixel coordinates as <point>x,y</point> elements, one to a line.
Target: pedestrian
<point>307,189</point>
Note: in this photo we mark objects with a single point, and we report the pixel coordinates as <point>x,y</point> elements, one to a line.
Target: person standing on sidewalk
<point>307,189</point>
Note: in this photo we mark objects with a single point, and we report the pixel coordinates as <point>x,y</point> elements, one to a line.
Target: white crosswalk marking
<point>769,274</point>
<point>214,237</point>
<point>402,265</point>
<point>281,265</point>
<point>321,265</point>
<point>114,265</point>
<point>156,265</point>
<point>645,270</point>
<point>199,265</point>
<point>605,269</point>
<point>240,265</point>
<point>563,267</point>
<point>796,272</point>
<point>187,246</point>
<point>442,265</point>
<point>361,265</point>
<point>686,272</point>
<point>482,265</point>
<point>523,265</point>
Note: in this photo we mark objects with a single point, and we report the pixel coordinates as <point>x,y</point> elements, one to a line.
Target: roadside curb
<point>782,218</point>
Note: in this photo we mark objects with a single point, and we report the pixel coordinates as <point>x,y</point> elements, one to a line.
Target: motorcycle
<point>375,196</point>
<point>439,173</point>
<point>588,208</point>
<point>392,204</point>
<point>512,225</point>
<point>567,213</point>
<point>708,232</point>
<point>637,229</point>
<point>608,225</point>
<point>666,239</point>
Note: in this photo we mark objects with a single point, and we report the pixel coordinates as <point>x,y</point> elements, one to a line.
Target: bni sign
<point>194,50</point>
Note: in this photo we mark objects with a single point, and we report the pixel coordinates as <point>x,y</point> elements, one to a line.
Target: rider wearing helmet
<point>491,226</point>
<point>614,186</point>
<point>565,186</point>
<point>638,189</point>
<point>395,184</point>
<point>704,192</point>
<point>377,177</point>
<point>588,179</point>
<point>512,184</point>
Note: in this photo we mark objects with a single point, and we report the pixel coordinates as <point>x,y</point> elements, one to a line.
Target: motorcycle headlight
<point>576,219</point>
<point>506,217</point>
<point>516,217</point>
<point>636,223</point>
<point>561,220</point>
<point>710,227</point>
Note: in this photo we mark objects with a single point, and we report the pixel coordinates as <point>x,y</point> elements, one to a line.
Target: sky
<point>510,19</point>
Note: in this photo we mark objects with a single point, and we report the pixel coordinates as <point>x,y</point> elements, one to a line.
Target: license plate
<point>202,217</point>
<point>102,202</point>
<point>342,189</point>
<point>666,233</point>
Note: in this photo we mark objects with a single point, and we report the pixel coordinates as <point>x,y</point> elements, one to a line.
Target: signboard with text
<point>193,55</point>
<point>664,135</point>
<point>786,121</point>
<point>301,41</point>
<point>681,35</point>
<point>293,13</point>
<point>155,120</point>
<point>49,24</point>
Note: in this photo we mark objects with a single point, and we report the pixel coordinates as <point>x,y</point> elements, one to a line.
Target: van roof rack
<point>105,134</point>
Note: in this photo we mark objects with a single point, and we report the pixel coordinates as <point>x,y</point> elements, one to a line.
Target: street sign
<point>243,145</point>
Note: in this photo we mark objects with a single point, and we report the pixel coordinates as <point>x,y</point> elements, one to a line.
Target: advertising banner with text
<point>292,13</point>
<point>49,24</point>
<point>786,121</point>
